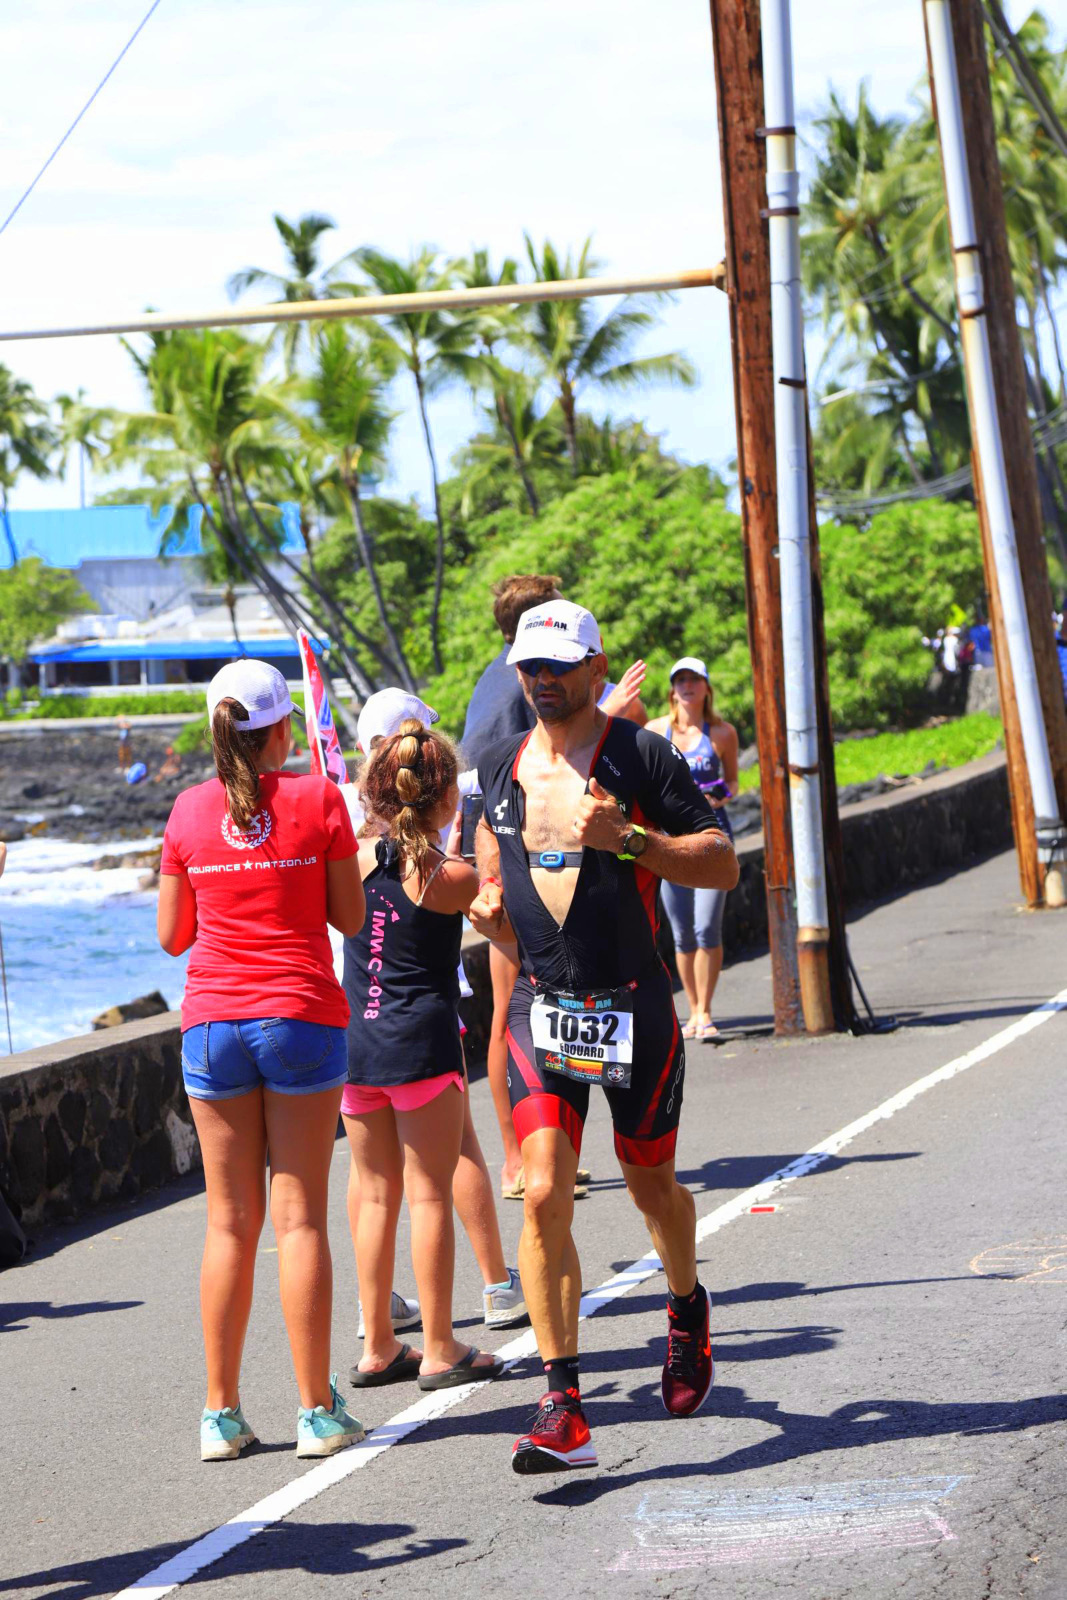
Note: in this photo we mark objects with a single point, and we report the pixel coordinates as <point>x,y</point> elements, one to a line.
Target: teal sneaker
<point>321,1432</point>
<point>224,1434</point>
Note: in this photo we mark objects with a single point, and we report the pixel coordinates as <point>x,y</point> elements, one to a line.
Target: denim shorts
<point>221,1060</point>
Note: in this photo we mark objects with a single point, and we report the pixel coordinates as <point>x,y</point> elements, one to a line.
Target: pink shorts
<point>360,1099</point>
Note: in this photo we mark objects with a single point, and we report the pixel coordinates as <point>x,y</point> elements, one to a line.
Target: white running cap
<point>257,686</point>
<point>383,713</point>
<point>555,631</point>
<point>690,664</point>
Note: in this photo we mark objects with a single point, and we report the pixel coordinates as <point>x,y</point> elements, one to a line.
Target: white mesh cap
<point>689,664</point>
<point>257,686</point>
<point>555,631</point>
<point>383,713</point>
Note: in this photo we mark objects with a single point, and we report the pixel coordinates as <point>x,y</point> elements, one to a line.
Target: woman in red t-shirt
<point>255,863</point>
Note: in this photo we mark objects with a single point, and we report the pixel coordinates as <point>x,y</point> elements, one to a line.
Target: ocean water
<point>75,940</point>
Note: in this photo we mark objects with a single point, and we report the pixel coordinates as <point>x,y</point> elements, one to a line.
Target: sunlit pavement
<point>888,1416</point>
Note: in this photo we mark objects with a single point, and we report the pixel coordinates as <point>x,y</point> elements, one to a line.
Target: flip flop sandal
<point>403,1367</point>
<point>689,1029</point>
<point>517,1190</point>
<point>706,1031</point>
<point>464,1371</point>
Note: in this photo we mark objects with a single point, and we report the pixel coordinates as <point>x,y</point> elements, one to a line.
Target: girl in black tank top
<point>402,981</point>
<point>403,1107</point>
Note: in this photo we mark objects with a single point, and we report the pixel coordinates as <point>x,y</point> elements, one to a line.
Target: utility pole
<point>1017,578</point>
<point>793,467</point>
<point>739,96</point>
<point>1009,378</point>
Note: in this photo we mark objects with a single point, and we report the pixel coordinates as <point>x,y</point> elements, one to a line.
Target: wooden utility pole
<point>1010,383</point>
<point>739,92</point>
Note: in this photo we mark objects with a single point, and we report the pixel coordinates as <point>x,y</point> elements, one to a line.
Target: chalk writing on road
<point>1027,1260</point>
<point>677,1529</point>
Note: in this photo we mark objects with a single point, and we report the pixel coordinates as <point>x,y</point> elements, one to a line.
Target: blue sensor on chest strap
<point>551,859</point>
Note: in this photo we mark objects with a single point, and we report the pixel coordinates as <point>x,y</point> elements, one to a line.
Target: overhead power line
<point>1048,430</point>
<point>21,201</point>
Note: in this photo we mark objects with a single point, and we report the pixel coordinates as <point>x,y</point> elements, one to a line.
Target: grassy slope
<point>900,754</point>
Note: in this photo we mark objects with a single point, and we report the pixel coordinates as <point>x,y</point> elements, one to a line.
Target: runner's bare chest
<point>553,785</point>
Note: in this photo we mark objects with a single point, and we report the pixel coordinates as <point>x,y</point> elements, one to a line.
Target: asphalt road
<point>888,1416</point>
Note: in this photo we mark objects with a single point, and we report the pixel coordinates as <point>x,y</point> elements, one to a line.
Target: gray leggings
<point>695,916</point>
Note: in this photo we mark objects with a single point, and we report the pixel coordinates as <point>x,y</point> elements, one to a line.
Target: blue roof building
<point>160,621</point>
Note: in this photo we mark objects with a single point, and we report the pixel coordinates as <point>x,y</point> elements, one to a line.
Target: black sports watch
<point>635,844</point>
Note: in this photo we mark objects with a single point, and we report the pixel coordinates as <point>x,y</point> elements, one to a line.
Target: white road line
<point>163,1580</point>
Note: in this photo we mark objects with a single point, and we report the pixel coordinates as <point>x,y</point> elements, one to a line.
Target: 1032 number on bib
<point>585,1037</point>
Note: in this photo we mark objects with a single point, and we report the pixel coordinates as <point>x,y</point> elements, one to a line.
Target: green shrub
<point>59,706</point>
<point>886,586</point>
<point>662,573</point>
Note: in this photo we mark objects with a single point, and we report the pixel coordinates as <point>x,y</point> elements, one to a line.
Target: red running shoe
<point>689,1371</point>
<point>558,1439</point>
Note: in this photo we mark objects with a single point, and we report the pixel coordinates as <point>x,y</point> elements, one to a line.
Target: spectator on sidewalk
<point>254,864</point>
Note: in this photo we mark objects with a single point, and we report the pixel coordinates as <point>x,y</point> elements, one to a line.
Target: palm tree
<point>27,442</point>
<point>216,437</point>
<point>428,344</point>
<point>306,278</point>
<point>83,428</point>
<point>521,436</point>
<point>484,371</point>
<point>350,425</point>
<point>572,350</point>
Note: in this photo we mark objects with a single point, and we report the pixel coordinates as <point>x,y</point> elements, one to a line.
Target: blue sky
<point>460,124</point>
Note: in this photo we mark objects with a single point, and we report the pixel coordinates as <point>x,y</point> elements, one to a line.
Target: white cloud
<point>460,123</point>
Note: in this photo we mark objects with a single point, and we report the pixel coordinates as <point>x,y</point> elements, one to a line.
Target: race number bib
<point>587,1037</point>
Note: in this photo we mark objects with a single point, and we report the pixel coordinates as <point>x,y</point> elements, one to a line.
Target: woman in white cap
<point>472,1190</point>
<point>709,744</point>
<point>255,862</point>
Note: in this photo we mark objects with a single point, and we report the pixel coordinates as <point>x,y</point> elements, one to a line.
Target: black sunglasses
<point>558,669</point>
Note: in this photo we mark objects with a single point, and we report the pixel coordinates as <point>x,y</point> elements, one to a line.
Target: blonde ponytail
<point>408,777</point>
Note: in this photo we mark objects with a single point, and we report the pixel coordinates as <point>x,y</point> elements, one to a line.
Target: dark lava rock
<point>146,1005</point>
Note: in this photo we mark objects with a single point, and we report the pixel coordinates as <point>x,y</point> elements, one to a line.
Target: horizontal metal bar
<point>387,305</point>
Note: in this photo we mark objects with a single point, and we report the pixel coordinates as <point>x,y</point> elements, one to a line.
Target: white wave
<point>59,871</point>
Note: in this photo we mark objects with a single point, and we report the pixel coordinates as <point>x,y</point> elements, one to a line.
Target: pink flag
<point>325,747</point>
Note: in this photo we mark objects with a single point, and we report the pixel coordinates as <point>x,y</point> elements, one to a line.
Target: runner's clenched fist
<point>600,821</point>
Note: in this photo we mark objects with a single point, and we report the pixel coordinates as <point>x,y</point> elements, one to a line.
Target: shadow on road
<point>852,1427</point>
<point>331,1549</point>
<point>741,1172</point>
<point>12,1316</point>
<point>947,1013</point>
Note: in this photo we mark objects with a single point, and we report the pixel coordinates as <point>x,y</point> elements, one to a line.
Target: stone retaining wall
<point>101,1117</point>
<point>105,1116</point>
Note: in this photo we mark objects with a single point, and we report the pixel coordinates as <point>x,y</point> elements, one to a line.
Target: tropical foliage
<point>890,414</point>
<point>34,600</point>
<point>280,443</point>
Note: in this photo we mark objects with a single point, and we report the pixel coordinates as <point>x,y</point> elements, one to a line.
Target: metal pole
<point>791,454</point>
<point>985,422</point>
<point>1010,379</point>
<point>739,99</point>
<point>387,305</point>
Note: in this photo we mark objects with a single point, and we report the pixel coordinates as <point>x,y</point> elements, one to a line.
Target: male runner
<point>582,815</point>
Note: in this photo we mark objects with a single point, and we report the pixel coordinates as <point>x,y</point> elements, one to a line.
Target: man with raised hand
<point>582,816</point>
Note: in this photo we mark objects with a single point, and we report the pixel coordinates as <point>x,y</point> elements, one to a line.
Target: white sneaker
<point>404,1313</point>
<point>503,1302</point>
